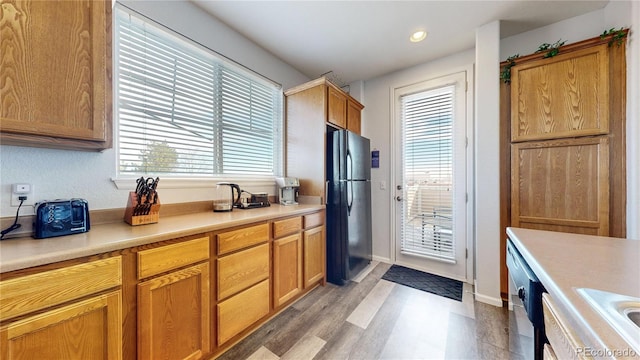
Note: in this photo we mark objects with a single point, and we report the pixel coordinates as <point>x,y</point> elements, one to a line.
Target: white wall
<point>487,164</point>
<point>64,174</point>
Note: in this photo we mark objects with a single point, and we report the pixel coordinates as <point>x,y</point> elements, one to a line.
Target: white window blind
<point>183,110</point>
<point>427,148</point>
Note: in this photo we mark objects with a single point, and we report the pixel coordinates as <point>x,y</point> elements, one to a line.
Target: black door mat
<point>434,284</point>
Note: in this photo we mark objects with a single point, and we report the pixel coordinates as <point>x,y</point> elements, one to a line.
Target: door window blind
<point>183,110</point>
<point>427,148</point>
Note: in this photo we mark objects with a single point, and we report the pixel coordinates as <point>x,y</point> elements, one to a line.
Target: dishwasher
<point>529,290</point>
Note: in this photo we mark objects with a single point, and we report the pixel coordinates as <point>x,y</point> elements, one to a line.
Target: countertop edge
<point>128,238</point>
<point>590,331</point>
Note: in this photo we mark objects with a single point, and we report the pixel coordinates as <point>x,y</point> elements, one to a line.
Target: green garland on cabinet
<point>616,36</point>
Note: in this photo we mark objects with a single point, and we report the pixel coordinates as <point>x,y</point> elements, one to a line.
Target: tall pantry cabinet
<point>563,142</point>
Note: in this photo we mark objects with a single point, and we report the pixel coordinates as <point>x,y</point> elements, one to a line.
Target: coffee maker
<point>288,190</point>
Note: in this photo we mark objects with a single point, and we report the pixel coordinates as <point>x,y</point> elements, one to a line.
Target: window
<point>185,111</point>
<point>427,146</point>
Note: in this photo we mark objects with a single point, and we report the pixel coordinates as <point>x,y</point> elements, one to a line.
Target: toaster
<point>61,217</point>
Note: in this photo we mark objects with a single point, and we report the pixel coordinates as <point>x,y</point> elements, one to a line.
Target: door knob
<point>399,198</point>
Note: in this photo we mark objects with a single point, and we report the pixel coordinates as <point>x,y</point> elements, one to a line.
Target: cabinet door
<point>56,69</point>
<point>287,268</point>
<point>565,96</point>
<point>337,113</point>
<point>314,256</point>
<point>561,185</point>
<point>353,116</point>
<point>240,311</point>
<point>174,315</point>
<point>89,329</point>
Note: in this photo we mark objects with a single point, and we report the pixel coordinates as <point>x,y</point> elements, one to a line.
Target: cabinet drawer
<point>563,340</point>
<point>313,220</point>
<point>165,258</point>
<point>286,227</point>
<point>241,238</point>
<point>38,291</point>
<point>239,271</point>
<point>242,310</point>
<point>548,354</point>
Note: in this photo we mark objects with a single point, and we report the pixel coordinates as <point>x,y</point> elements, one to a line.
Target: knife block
<point>152,217</point>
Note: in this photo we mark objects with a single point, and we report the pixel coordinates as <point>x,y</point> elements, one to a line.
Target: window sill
<point>129,183</point>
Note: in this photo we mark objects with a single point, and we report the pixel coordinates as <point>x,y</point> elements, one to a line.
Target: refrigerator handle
<point>349,184</point>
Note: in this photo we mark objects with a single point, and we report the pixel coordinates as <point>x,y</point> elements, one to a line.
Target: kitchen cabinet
<point>56,71</point>
<point>70,312</point>
<point>287,260</point>
<point>314,249</point>
<point>563,341</point>
<point>174,308</point>
<point>180,298</point>
<point>310,108</point>
<point>243,280</point>
<point>562,129</point>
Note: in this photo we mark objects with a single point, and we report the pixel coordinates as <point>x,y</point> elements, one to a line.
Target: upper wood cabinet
<point>309,108</point>
<point>564,96</point>
<point>56,74</point>
<point>337,108</point>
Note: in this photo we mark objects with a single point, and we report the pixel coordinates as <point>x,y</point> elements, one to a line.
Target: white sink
<point>620,311</point>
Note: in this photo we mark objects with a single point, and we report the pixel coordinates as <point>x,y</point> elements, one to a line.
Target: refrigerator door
<point>358,157</point>
<point>337,252</point>
<point>359,226</point>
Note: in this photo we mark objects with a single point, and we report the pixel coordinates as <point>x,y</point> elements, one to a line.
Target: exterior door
<point>431,227</point>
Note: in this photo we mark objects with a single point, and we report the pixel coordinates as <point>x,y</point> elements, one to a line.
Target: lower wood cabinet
<point>314,256</point>
<point>87,329</point>
<point>241,311</point>
<point>173,315</point>
<point>287,269</point>
<point>563,341</point>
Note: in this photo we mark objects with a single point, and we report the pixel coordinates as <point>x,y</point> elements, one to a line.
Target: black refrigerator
<point>348,205</point>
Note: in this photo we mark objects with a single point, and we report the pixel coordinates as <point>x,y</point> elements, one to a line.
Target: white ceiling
<point>360,40</point>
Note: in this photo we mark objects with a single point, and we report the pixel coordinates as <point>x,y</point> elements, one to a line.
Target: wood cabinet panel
<point>314,256</point>
<point>238,239</point>
<point>562,338</point>
<point>56,71</point>
<point>89,329</point>
<point>565,96</point>
<point>26,294</point>
<point>239,271</point>
<point>354,116</point>
<point>286,227</point>
<point>561,183</point>
<point>287,268</point>
<point>313,220</point>
<point>169,257</point>
<point>174,315</point>
<point>242,310</point>
<point>337,111</point>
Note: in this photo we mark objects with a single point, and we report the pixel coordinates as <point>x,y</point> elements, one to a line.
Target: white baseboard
<point>488,300</point>
<point>382,259</point>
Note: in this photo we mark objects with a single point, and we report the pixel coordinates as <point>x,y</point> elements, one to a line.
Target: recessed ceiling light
<point>418,36</point>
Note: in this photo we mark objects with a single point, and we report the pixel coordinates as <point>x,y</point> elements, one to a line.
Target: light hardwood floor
<point>378,319</point>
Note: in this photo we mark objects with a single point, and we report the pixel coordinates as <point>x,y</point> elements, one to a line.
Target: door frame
<point>469,166</point>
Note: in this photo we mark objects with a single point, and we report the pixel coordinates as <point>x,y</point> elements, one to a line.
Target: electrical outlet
<point>18,190</point>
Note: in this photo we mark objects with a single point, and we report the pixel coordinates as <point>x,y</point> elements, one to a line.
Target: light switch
<point>383,185</point>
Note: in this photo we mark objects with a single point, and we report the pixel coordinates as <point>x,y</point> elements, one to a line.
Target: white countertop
<point>565,262</point>
<point>21,253</point>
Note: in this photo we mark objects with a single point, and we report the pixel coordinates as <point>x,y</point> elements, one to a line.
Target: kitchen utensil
<point>224,199</point>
